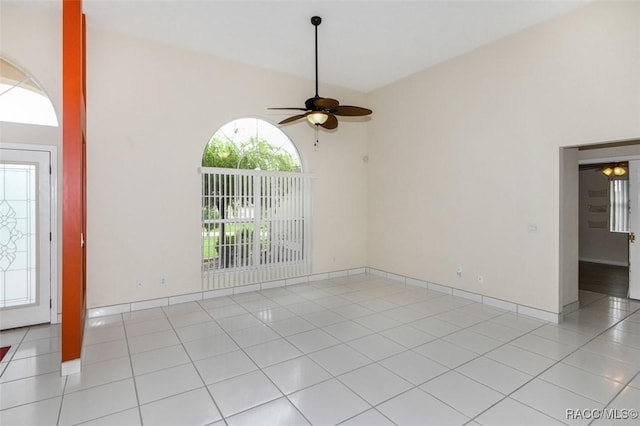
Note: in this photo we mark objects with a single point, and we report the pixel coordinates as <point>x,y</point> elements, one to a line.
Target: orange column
<point>73,210</point>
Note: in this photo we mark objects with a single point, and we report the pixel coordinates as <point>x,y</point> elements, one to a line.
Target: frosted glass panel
<point>18,228</point>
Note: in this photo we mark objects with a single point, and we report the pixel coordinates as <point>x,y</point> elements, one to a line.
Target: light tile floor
<point>354,351</point>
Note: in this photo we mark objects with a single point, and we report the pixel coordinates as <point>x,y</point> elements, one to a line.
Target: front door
<point>25,237</point>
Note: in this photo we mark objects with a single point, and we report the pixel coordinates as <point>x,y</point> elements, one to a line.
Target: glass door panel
<point>24,238</point>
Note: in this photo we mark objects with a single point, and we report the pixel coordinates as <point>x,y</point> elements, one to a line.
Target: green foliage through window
<point>241,145</point>
<point>230,207</point>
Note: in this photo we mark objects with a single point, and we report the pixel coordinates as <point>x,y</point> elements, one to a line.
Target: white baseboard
<point>71,367</point>
<point>209,294</point>
<point>476,297</point>
<point>396,278</point>
<point>570,308</point>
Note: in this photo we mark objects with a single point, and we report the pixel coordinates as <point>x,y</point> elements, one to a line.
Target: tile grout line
<point>133,374</point>
<point>346,342</point>
<point>215,403</point>
<point>379,333</point>
<point>258,369</point>
<point>377,362</point>
<point>608,404</point>
<point>482,355</point>
<point>548,368</point>
<point>64,387</point>
<point>382,296</point>
<point>332,376</point>
<point>449,369</point>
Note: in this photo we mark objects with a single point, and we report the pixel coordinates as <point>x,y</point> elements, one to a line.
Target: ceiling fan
<point>323,111</point>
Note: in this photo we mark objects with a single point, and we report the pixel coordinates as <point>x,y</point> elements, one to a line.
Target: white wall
<point>151,111</point>
<point>598,244</point>
<point>467,156</point>
<point>31,38</point>
<point>462,157</point>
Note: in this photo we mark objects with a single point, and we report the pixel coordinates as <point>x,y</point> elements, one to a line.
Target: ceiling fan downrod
<point>316,20</point>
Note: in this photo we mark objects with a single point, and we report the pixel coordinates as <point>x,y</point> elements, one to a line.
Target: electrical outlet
<point>163,281</point>
<point>459,271</point>
<point>480,279</point>
<point>139,284</point>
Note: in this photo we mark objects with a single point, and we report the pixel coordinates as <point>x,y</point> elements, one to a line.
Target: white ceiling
<point>363,45</point>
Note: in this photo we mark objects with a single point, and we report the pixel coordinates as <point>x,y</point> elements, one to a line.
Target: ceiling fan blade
<point>349,110</point>
<point>325,102</point>
<point>291,108</point>
<point>292,118</point>
<point>331,123</point>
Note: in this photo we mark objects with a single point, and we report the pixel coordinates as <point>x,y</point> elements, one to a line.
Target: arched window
<point>254,144</point>
<point>255,206</point>
<point>22,100</point>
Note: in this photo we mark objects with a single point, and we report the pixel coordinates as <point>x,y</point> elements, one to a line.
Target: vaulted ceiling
<point>363,45</point>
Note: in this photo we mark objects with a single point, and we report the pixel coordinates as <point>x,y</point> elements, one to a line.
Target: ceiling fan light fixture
<point>619,171</point>
<point>614,170</point>
<point>317,117</point>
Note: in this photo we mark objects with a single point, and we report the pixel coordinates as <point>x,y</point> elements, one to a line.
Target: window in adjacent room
<point>619,205</point>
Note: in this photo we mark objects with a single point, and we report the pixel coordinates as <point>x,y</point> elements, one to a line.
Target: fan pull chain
<point>315,145</point>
